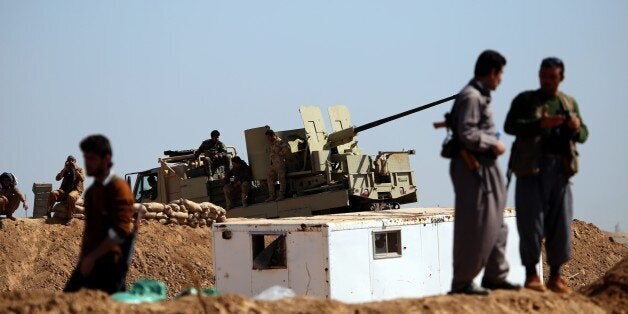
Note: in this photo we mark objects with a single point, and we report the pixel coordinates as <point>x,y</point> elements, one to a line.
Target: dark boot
<point>471,289</point>
<point>503,285</point>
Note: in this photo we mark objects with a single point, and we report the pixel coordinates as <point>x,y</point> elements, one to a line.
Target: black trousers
<point>545,210</point>
<point>108,275</point>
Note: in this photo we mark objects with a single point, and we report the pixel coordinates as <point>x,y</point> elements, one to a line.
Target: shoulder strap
<point>565,102</point>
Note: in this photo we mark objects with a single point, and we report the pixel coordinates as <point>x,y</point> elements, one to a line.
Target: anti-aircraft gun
<point>325,172</point>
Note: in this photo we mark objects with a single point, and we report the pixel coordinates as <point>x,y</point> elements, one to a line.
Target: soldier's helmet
<point>215,133</point>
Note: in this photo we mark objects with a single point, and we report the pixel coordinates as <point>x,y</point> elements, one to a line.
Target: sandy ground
<point>36,259</point>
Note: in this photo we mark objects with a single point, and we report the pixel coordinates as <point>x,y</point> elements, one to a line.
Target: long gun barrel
<point>345,136</point>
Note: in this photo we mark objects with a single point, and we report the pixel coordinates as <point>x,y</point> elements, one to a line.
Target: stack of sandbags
<point>61,210</point>
<point>183,212</point>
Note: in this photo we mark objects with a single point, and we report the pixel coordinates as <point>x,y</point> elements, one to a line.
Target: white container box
<point>353,257</point>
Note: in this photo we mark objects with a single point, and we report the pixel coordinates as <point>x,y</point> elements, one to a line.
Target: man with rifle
<point>547,125</point>
<point>479,230</point>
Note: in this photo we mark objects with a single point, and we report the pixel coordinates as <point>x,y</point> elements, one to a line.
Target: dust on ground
<point>36,260</point>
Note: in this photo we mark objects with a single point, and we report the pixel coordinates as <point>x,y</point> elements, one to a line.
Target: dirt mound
<point>36,260</point>
<point>498,302</point>
<point>36,255</point>
<point>593,254</point>
<point>611,291</point>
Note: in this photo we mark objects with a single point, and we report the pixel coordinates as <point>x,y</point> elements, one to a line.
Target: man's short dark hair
<point>553,62</point>
<point>236,159</point>
<point>97,144</point>
<point>488,61</point>
<point>70,158</point>
<point>270,132</point>
<point>215,133</point>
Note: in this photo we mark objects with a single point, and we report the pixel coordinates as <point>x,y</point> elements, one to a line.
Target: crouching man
<point>10,195</point>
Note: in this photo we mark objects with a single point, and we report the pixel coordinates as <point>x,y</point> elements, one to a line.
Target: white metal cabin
<point>351,257</point>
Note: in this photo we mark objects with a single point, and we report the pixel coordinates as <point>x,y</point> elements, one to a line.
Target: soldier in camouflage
<point>215,152</point>
<point>277,170</point>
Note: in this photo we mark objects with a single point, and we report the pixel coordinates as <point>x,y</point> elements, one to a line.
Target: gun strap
<point>566,103</point>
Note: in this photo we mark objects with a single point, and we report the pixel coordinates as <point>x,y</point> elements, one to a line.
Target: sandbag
<point>191,206</point>
<point>79,209</point>
<point>154,207</point>
<point>179,215</point>
<point>168,210</point>
<point>150,215</point>
<point>139,207</point>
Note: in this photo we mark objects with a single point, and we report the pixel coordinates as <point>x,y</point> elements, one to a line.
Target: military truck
<point>325,172</point>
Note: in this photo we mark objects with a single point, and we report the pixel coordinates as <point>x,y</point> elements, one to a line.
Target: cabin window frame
<point>275,258</point>
<point>388,244</point>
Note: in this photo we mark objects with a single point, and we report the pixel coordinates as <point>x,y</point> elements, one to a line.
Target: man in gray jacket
<point>479,229</point>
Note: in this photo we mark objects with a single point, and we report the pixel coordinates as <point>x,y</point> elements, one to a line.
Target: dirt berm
<point>36,259</point>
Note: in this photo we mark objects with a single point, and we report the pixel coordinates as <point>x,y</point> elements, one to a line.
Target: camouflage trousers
<point>60,196</point>
<point>276,172</point>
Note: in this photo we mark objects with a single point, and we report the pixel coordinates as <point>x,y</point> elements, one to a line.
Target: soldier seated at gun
<point>215,154</point>
<point>241,174</point>
<point>71,187</point>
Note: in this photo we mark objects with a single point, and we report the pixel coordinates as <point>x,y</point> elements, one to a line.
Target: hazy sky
<point>158,75</point>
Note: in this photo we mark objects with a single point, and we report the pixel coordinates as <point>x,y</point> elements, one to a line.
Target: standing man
<point>479,230</point>
<point>215,152</point>
<point>547,124</point>
<point>10,195</point>
<point>108,210</point>
<point>277,170</point>
<point>71,187</point>
<point>241,173</point>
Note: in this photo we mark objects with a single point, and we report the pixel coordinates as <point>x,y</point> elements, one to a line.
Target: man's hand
<point>87,265</point>
<point>574,123</point>
<point>548,121</point>
<point>499,148</point>
<point>25,205</point>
